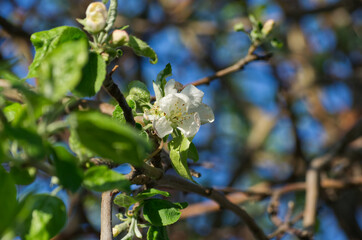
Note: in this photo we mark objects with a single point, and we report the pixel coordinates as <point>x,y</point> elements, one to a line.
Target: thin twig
<point>114,91</point>
<point>313,174</point>
<point>181,184</point>
<point>250,57</point>
<point>238,196</point>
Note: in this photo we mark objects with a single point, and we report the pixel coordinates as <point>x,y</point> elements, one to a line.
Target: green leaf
<point>109,139</point>
<point>125,201</point>
<point>46,41</point>
<point>179,147</point>
<point>142,49</point>
<point>101,179</point>
<point>192,153</point>
<point>61,71</point>
<point>75,145</point>
<point>8,201</point>
<point>67,170</point>
<point>276,43</point>
<point>151,193</point>
<point>239,27</point>
<point>93,75</point>
<point>139,93</point>
<point>161,76</point>
<point>12,111</point>
<point>28,139</point>
<point>161,212</point>
<point>41,217</point>
<point>23,176</point>
<point>118,115</point>
<point>157,233</point>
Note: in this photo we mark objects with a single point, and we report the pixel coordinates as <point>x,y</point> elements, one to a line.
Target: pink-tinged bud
<point>119,37</point>
<point>268,27</point>
<point>96,17</point>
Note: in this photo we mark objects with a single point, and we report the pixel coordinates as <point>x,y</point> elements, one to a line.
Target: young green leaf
<point>28,139</point>
<point>179,147</point>
<point>161,212</point>
<point>161,78</point>
<point>41,217</point>
<point>125,201</point>
<point>46,41</point>
<point>8,201</point>
<point>276,43</point>
<point>139,93</point>
<point>101,179</point>
<point>118,115</point>
<point>192,153</point>
<point>151,193</point>
<point>61,71</point>
<point>12,111</point>
<point>109,139</point>
<point>75,145</point>
<point>157,233</point>
<point>67,170</point>
<point>142,49</point>
<point>93,75</point>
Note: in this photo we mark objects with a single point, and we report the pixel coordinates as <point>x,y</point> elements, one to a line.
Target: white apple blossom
<point>96,17</point>
<point>181,109</point>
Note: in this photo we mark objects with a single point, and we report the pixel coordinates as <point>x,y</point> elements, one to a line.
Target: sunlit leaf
<point>93,75</point>
<point>61,71</point>
<point>142,49</point>
<point>46,41</point>
<point>41,217</point>
<point>109,139</point>
<point>161,212</point>
<point>179,147</point>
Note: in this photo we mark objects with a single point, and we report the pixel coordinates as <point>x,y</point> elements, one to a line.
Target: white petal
<point>175,102</point>
<point>194,94</point>
<point>157,91</point>
<point>205,112</point>
<point>162,127</point>
<point>190,125</point>
<point>170,87</point>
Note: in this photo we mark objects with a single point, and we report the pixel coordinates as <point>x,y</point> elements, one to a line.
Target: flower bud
<point>268,27</point>
<point>119,37</point>
<point>96,17</point>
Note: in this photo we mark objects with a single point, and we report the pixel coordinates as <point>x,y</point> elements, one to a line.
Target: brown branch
<point>14,30</point>
<point>250,57</point>
<point>114,91</point>
<point>181,184</point>
<point>106,216</point>
<point>313,174</point>
<point>258,192</point>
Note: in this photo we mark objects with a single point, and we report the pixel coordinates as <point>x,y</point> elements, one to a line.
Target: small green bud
<point>239,27</point>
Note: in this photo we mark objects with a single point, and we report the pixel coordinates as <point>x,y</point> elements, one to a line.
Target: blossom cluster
<point>179,108</point>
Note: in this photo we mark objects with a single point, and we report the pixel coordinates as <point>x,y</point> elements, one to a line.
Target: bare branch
<point>106,216</point>
<point>313,174</point>
<point>114,91</point>
<point>250,57</point>
<point>184,185</point>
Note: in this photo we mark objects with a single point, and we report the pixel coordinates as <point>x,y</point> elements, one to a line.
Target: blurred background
<point>271,118</point>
